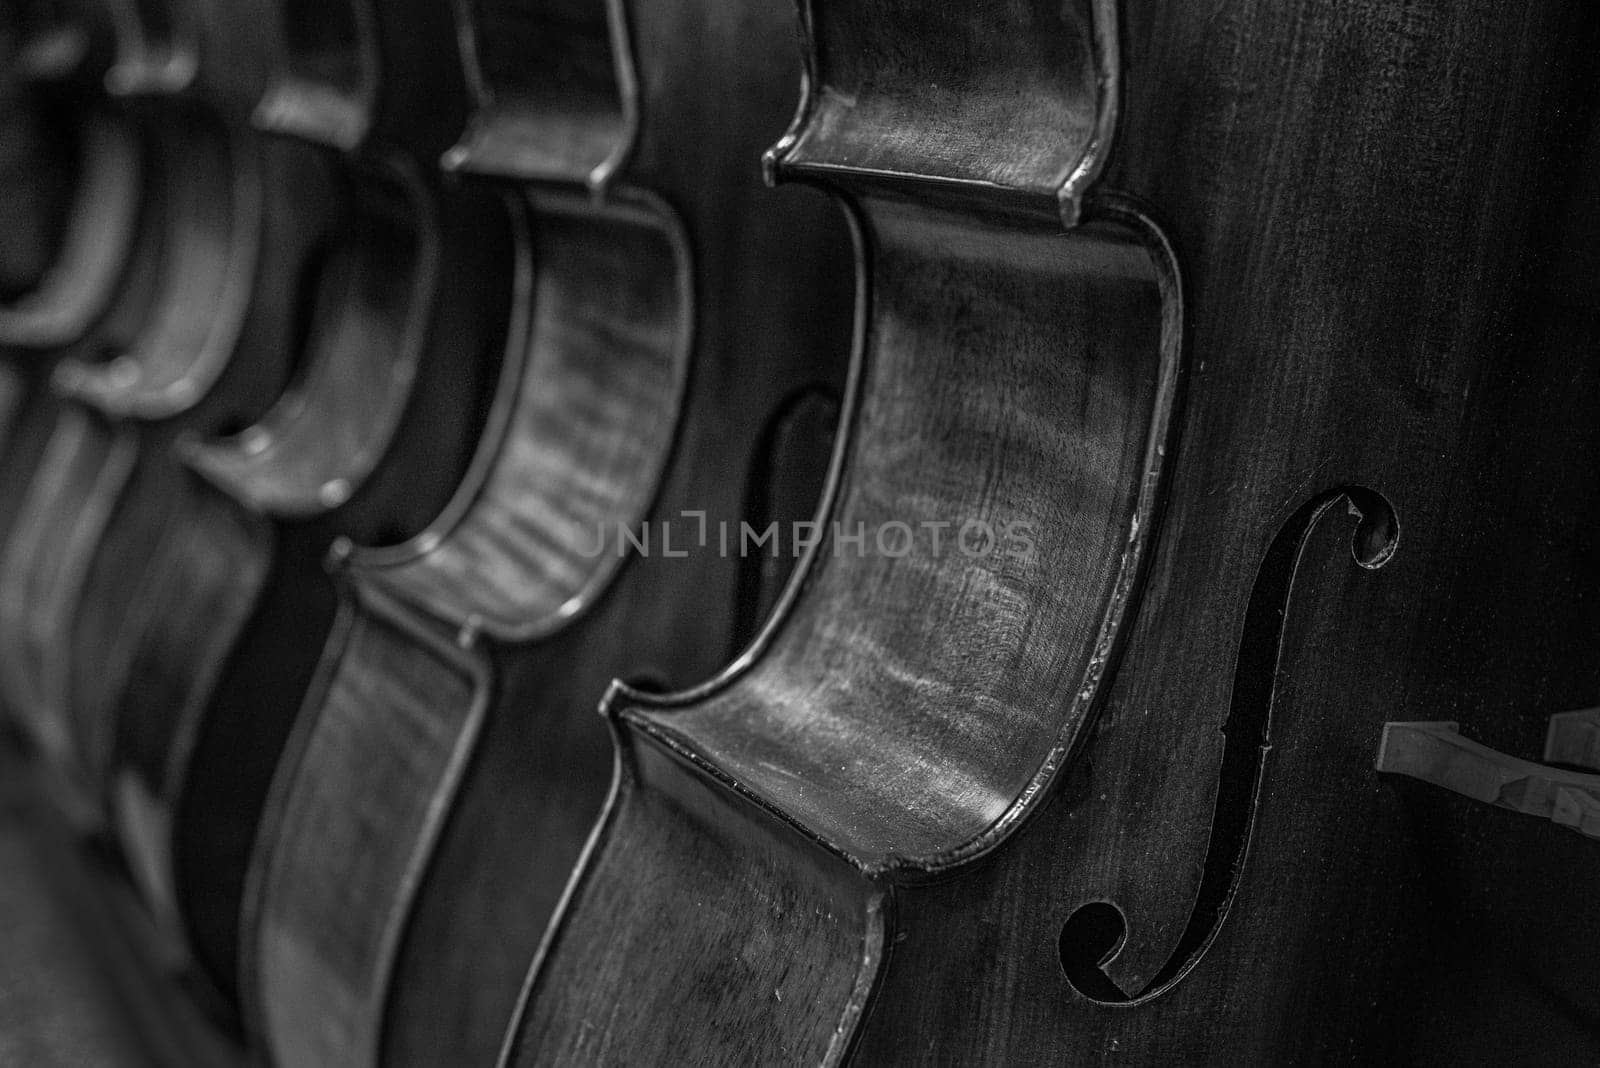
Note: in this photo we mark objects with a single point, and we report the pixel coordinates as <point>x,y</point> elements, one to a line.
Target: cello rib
<point>912,699</point>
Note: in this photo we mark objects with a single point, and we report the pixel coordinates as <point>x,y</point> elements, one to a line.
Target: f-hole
<point>1095,933</point>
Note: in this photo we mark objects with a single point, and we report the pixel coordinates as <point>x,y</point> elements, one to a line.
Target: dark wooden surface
<point>182,673</point>
<point>688,277</point>
<point>1377,224</point>
<point>1255,340</point>
<point>402,305</point>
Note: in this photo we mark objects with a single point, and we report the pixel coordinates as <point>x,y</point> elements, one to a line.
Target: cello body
<point>1098,566</point>
<point>1117,798</point>
<point>686,330</point>
<point>401,320</point>
<point>162,351</point>
<point>100,244</point>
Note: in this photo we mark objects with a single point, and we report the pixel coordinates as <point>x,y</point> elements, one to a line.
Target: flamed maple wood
<point>686,325</point>
<point>404,297</point>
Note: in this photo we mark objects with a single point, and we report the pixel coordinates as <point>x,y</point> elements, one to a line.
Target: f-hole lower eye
<point>1090,939</point>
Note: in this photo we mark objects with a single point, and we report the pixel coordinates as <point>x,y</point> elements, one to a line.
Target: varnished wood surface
<point>164,354</point>
<point>754,915</point>
<point>1014,109</point>
<point>899,773</point>
<point>44,568</point>
<point>677,253</point>
<point>1391,340</point>
<point>94,299</point>
<point>143,518</point>
<point>80,282</point>
<point>216,800</point>
<point>363,75</point>
<point>57,1006</point>
<point>552,91</point>
<point>591,413</point>
<point>1272,328</point>
<point>212,570</point>
<point>366,445</point>
<point>1219,873</point>
<point>177,687</point>
<point>320,998</point>
<point>206,274</point>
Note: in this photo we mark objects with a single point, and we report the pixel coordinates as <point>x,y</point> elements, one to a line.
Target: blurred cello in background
<point>258,216</point>
<point>78,161</point>
<point>169,363</point>
<point>674,372</point>
<point>1109,793</point>
<point>402,309</point>
<point>100,237</point>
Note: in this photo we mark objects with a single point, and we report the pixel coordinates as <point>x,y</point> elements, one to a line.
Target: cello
<point>61,53</point>
<point>163,356</point>
<point>401,324</point>
<point>687,333</point>
<point>35,160</point>
<point>1267,327</point>
<point>99,245</point>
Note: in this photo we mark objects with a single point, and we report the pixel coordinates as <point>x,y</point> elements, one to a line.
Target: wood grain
<point>321,978</point>
<point>751,914</point>
<point>212,571</point>
<point>593,409</point>
<point>897,743</point>
<point>673,272</point>
<point>899,772</point>
<point>410,292</point>
<point>1366,307</point>
<point>1383,225</point>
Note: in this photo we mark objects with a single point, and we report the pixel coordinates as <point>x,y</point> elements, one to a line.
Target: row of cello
<point>976,512</point>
